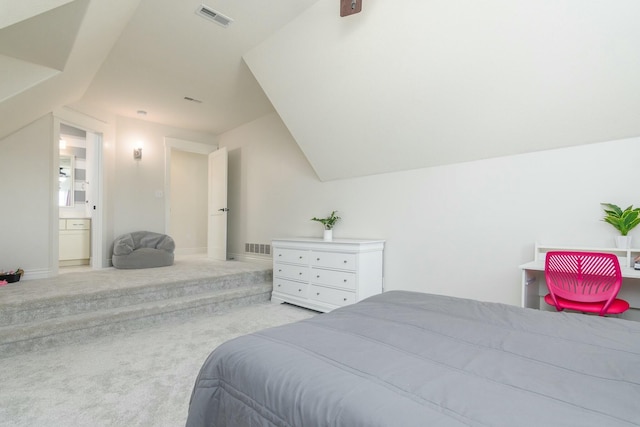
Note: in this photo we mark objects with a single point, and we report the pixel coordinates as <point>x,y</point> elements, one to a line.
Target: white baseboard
<point>37,273</point>
<point>190,251</point>
<point>266,259</point>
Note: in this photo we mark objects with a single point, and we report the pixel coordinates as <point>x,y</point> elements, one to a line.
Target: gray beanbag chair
<point>143,249</point>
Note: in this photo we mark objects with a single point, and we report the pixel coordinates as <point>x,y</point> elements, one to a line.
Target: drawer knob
<point>318,276</point>
<point>300,256</point>
<point>279,285</point>
<point>345,280</point>
<point>345,261</point>
<point>345,299</point>
<point>300,273</point>
<point>318,293</point>
<point>279,270</point>
<point>299,290</point>
<point>279,254</point>
<point>317,259</point>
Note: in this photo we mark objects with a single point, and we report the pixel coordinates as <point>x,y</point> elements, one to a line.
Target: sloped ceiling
<point>45,39</point>
<point>50,52</point>
<point>12,11</point>
<point>424,83</point>
<point>167,52</point>
<point>395,87</point>
<point>115,57</point>
<point>37,48</point>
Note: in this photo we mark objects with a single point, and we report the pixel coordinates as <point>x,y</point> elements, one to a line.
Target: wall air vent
<point>213,15</point>
<point>258,248</point>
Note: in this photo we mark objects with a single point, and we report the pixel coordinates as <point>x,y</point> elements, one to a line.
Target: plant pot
<point>328,235</point>
<point>623,242</point>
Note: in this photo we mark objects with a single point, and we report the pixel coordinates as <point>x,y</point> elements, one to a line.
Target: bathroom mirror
<point>65,183</point>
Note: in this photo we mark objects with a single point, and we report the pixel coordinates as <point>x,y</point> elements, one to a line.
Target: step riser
<point>45,310</point>
<point>50,338</point>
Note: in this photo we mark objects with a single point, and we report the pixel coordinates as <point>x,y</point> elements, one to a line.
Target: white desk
<point>534,286</point>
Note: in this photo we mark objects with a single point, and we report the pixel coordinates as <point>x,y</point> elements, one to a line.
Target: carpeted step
<point>38,334</point>
<point>47,308</point>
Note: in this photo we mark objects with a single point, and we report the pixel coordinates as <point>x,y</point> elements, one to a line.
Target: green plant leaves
<point>622,220</point>
<point>328,222</point>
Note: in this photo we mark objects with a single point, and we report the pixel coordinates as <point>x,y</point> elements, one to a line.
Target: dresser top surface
<point>321,240</point>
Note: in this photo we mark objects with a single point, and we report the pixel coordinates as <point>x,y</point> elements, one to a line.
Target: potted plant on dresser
<point>622,220</point>
<point>328,224</point>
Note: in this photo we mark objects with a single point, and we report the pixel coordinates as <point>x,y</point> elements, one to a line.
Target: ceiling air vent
<point>213,15</point>
<point>188,98</point>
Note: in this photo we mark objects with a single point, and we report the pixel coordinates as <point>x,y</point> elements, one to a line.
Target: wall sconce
<point>137,151</point>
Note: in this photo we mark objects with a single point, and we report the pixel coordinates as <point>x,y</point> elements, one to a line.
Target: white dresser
<point>323,275</point>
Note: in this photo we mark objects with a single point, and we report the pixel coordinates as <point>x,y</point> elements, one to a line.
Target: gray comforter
<point>406,359</point>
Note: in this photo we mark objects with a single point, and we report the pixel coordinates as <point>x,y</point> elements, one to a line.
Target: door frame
<point>181,145</point>
<point>102,131</point>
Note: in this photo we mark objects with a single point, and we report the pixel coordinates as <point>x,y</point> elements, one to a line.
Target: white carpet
<point>82,282</point>
<point>140,378</point>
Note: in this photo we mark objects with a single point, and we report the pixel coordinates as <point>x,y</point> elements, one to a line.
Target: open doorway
<point>186,194</point>
<point>79,188</point>
<point>188,202</point>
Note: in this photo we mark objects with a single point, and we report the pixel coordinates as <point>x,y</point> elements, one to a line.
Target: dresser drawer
<point>334,260</point>
<point>338,279</point>
<point>291,255</point>
<point>288,271</point>
<point>290,288</point>
<point>331,296</point>
<point>78,224</point>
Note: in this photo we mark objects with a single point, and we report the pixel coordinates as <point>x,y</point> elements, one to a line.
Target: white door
<point>94,196</point>
<point>217,224</point>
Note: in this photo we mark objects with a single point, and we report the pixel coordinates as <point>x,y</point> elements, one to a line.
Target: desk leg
<point>530,288</point>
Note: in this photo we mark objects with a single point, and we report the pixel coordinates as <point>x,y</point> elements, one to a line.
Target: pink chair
<point>584,281</point>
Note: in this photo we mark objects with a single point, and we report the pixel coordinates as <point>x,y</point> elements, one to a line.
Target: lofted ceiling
<point>168,53</point>
<point>433,82</point>
<point>116,57</point>
<point>50,51</point>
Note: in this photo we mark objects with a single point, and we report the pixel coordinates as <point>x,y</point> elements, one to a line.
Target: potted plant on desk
<point>328,224</point>
<point>623,221</point>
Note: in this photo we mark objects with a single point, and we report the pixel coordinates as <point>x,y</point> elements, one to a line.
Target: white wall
<point>26,174</point>
<point>459,230</point>
<point>28,186</point>
<point>139,202</point>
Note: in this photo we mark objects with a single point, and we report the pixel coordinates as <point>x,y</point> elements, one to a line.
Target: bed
<point>407,359</point>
